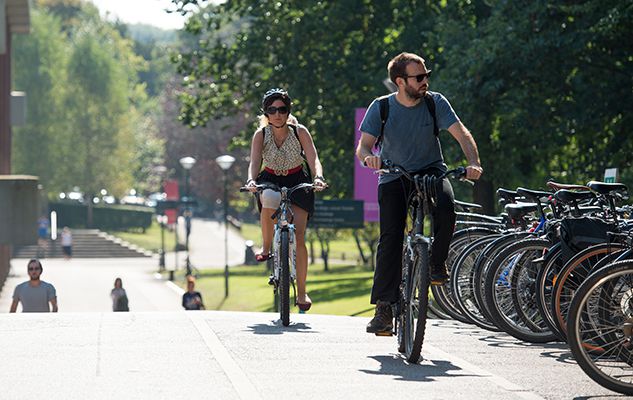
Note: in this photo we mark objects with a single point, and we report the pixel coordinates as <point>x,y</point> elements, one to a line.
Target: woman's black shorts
<point>301,198</point>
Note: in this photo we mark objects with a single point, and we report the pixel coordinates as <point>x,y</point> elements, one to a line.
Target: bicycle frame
<point>284,224</point>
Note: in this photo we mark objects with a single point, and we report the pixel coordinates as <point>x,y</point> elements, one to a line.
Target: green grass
<point>340,249</point>
<point>150,240</point>
<point>342,291</point>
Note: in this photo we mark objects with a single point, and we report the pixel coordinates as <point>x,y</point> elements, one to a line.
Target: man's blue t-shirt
<point>408,139</point>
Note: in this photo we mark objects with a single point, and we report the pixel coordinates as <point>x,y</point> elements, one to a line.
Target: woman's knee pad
<point>270,199</point>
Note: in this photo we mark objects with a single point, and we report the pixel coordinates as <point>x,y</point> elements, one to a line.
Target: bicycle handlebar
<point>390,167</point>
<point>276,188</point>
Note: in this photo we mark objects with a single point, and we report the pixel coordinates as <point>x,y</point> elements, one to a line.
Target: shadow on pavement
<point>395,365</point>
<point>276,328</point>
<point>556,350</point>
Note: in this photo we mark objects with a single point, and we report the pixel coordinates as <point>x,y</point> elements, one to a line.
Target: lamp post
<point>225,162</point>
<point>187,163</point>
<point>162,220</point>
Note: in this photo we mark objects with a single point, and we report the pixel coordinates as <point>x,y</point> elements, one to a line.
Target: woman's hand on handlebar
<point>251,185</point>
<point>319,184</point>
<point>373,162</point>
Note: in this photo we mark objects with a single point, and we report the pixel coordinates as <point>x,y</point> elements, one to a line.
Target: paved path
<point>84,284</point>
<point>158,351</point>
<point>206,245</point>
<point>223,355</point>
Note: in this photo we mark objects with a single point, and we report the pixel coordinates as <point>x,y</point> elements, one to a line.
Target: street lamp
<point>225,162</point>
<point>162,221</point>
<point>187,163</point>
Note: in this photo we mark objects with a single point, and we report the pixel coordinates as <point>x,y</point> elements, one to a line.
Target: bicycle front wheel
<point>284,281</point>
<point>417,302</point>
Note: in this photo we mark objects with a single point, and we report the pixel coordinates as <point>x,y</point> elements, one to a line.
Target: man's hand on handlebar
<point>373,162</point>
<point>474,171</point>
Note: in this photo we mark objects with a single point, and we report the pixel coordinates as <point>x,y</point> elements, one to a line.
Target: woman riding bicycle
<point>279,148</point>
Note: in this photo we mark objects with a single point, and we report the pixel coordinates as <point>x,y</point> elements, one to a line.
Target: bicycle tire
<point>574,273</point>
<point>498,290</point>
<point>483,262</point>
<point>545,280</point>
<point>589,353</point>
<point>443,293</point>
<point>463,286</point>
<point>284,281</point>
<point>401,307</point>
<point>417,302</point>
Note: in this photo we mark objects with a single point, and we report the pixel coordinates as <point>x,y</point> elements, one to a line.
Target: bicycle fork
<point>276,275</point>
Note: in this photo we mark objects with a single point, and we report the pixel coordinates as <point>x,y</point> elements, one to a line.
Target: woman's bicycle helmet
<point>276,94</point>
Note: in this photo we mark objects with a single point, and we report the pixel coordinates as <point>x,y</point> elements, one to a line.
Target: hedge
<point>114,217</point>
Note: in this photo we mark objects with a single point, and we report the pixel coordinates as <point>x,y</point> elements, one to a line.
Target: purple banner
<point>365,180</point>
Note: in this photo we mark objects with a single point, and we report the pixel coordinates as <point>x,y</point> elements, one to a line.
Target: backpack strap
<point>384,114</point>
<point>296,132</point>
<point>430,104</point>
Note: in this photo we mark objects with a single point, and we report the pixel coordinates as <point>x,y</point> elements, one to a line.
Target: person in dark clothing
<point>192,300</point>
<point>409,138</point>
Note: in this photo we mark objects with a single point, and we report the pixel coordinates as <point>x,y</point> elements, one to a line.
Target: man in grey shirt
<point>34,294</point>
<point>409,139</point>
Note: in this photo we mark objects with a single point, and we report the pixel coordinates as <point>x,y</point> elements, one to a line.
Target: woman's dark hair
<point>276,94</point>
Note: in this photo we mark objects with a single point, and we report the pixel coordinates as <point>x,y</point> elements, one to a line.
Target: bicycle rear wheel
<point>417,302</point>
<point>599,326</point>
<point>284,281</point>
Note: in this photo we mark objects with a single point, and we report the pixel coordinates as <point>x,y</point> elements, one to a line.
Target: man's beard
<point>414,94</point>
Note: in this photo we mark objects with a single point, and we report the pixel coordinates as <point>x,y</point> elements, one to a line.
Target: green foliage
<point>90,120</point>
<point>544,87</point>
<point>39,70</point>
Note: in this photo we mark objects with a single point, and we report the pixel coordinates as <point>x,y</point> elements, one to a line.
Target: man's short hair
<point>397,67</point>
<point>35,260</point>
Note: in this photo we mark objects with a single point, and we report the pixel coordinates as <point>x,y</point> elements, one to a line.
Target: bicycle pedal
<point>271,280</point>
<point>386,333</point>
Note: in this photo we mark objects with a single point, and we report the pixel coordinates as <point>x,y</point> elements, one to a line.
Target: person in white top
<point>67,243</point>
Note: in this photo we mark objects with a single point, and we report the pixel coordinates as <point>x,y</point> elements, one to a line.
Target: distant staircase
<point>87,243</point>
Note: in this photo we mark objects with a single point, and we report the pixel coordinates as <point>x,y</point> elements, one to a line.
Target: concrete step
<point>87,243</point>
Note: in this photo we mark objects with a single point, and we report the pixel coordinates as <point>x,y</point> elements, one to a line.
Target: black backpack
<point>384,114</point>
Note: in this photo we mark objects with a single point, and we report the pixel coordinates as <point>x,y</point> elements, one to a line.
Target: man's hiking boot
<point>439,274</point>
<point>382,323</point>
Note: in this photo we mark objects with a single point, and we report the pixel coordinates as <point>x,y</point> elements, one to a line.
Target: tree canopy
<point>545,88</point>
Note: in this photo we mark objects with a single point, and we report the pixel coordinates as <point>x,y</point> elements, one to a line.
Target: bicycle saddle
<point>538,195</point>
<point>607,188</point>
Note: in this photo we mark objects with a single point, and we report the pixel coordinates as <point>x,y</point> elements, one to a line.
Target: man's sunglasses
<point>34,268</point>
<point>420,77</point>
<point>273,110</point>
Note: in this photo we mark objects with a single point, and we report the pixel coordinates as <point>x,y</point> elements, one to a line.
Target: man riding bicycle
<point>409,138</point>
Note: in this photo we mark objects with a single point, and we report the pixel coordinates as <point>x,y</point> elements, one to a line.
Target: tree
<point>40,59</point>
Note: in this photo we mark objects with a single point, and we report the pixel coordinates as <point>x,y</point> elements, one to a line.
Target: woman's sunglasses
<point>273,110</point>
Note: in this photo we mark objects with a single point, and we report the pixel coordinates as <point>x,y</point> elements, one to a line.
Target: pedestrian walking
<point>192,300</point>
<point>406,125</point>
<point>119,297</point>
<point>34,294</point>
<point>42,236</point>
<point>67,243</point>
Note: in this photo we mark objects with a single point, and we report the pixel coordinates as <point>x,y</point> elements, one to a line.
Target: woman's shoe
<point>304,306</point>
<point>261,257</point>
